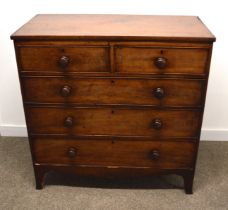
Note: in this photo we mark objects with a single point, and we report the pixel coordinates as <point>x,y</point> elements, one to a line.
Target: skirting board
<point>13,130</point>
<point>206,134</point>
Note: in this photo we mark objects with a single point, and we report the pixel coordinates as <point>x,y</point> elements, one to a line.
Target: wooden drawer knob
<point>160,62</point>
<point>65,91</point>
<point>72,152</point>
<point>157,124</point>
<point>64,61</point>
<point>159,93</point>
<point>68,122</point>
<point>154,155</point>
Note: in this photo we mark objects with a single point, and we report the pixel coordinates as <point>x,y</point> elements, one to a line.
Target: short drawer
<point>156,92</point>
<point>108,121</point>
<point>64,59</point>
<point>149,60</point>
<point>165,155</point>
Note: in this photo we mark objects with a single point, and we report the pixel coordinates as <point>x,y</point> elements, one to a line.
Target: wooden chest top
<point>114,27</point>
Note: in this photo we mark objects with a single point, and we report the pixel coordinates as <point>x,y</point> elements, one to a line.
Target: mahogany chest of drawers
<point>114,95</point>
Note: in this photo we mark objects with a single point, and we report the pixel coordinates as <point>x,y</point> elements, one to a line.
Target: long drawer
<point>155,60</point>
<point>108,121</point>
<point>119,153</point>
<point>157,92</point>
<point>64,59</point>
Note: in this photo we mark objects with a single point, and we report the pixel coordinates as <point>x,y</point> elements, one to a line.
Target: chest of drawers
<point>114,95</point>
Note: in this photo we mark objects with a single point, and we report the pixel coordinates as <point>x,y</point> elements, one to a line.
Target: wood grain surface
<point>140,59</point>
<point>108,121</point>
<point>114,95</point>
<point>135,27</point>
<point>119,153</point>
<point>128,91</point>
<point>80,59</point>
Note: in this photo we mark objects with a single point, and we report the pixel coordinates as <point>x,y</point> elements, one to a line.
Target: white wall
<point>214,14</point>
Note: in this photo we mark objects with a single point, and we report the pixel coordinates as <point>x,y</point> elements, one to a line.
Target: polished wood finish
<point>114,95</point>
<point>159,93</point>
<point>117,153</point>
<point>114,27</point>
<point>68,122</point>
<point>65,91</point>
<point>148,60</point>
<point>157,124</point>
<point>72,152</point>
<point>155,154</point>
<point>160,62</point>
<point>113,121</point>
<point>73,90</point>
<point>64,59</point>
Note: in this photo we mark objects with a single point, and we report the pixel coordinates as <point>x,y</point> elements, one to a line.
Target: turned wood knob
<point>160,62</point>
<point>64,61</point>
<point>65,91</point>
<point>154,154</point>
<point>157,124</point>
<point>72,152</point>
<point>68,122</point>
<point>159,93</point>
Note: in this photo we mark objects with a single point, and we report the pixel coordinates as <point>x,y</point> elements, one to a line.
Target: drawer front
<point>107,121</point>
<point>119,153</point>
<point>163,92</point>
<point>64,59</point>
<point>146,60</point>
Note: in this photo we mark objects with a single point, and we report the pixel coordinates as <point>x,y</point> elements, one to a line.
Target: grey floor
<point>17,187</point>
